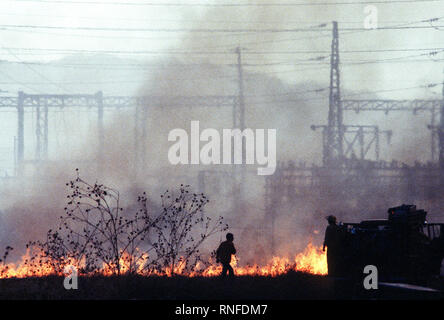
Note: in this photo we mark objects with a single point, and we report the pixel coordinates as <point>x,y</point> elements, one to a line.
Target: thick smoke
<point>272,100</point>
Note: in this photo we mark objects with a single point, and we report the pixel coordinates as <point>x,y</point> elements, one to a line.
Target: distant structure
<point>347,180</point>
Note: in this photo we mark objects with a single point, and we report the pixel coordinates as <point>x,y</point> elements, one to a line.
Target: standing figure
<point>332,242</point>
<point>223,255</point>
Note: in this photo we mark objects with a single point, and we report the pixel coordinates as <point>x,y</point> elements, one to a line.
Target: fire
<point>311,260</point>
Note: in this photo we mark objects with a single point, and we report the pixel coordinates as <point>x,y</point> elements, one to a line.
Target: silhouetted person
<point>223,255</point>
<point>332,242</point>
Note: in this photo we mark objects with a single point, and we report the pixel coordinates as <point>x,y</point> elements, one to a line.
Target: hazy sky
<point>396,69</point>
<point>287,42</point>
<point>389,63</point>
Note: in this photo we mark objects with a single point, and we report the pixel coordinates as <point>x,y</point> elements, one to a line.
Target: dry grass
<point>291,286</point>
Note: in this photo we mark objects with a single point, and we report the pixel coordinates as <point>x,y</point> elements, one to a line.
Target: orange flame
<point>311,260</point>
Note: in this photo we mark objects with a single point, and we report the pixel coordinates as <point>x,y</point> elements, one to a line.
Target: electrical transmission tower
<point>335,132</point>
<point>336,135</point>
<point>333,149</point>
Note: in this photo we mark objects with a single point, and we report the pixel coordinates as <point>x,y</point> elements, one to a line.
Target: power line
<point>27,31</point>
<point>396,59</point>
<point>344,97</point>
<point>36,72</point>
<point>288,93</point>
<point>391,90</point>
<point>123,80</point>
<point>226,52</point>
<point>18,82</point>
<point>203,4</point>
<point>31,31</point>
<point>311,22</point>
<point>203,30</point>
<point>316,66</point>
<point>322,65</point>
<point>308,61</point>
<point>194,36</point>
<point>329,35</point>
<point>209,30</point>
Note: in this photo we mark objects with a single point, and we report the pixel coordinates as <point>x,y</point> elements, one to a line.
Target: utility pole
<point>239,115</point>
<point>20,132</point>
<point>240,173</point>
<point>101,133</point>
<point>441,132</point>
<point>333,150</point>
<point>45,130</point>
<point>239,122</point>
<point>38,133</point>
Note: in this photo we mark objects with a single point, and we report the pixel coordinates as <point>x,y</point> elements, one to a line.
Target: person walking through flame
<point>223,255</point>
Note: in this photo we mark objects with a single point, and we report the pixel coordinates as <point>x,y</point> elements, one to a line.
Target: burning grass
<point>98,236</point>
<point>312,260</point>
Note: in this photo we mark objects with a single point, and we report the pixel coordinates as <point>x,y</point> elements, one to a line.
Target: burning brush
<point>97,236</point>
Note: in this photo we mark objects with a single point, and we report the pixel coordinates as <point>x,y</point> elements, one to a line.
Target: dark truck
<point>402,247</point>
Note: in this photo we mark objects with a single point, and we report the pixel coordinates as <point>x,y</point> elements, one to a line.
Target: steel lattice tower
<point>333,148</point>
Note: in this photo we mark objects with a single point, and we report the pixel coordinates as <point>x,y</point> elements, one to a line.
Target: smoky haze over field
<point>284,89</point>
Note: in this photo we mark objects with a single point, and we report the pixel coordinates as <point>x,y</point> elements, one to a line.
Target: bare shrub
<point>96,234</point>
<point>3,266</point>
<point>183,228</point>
